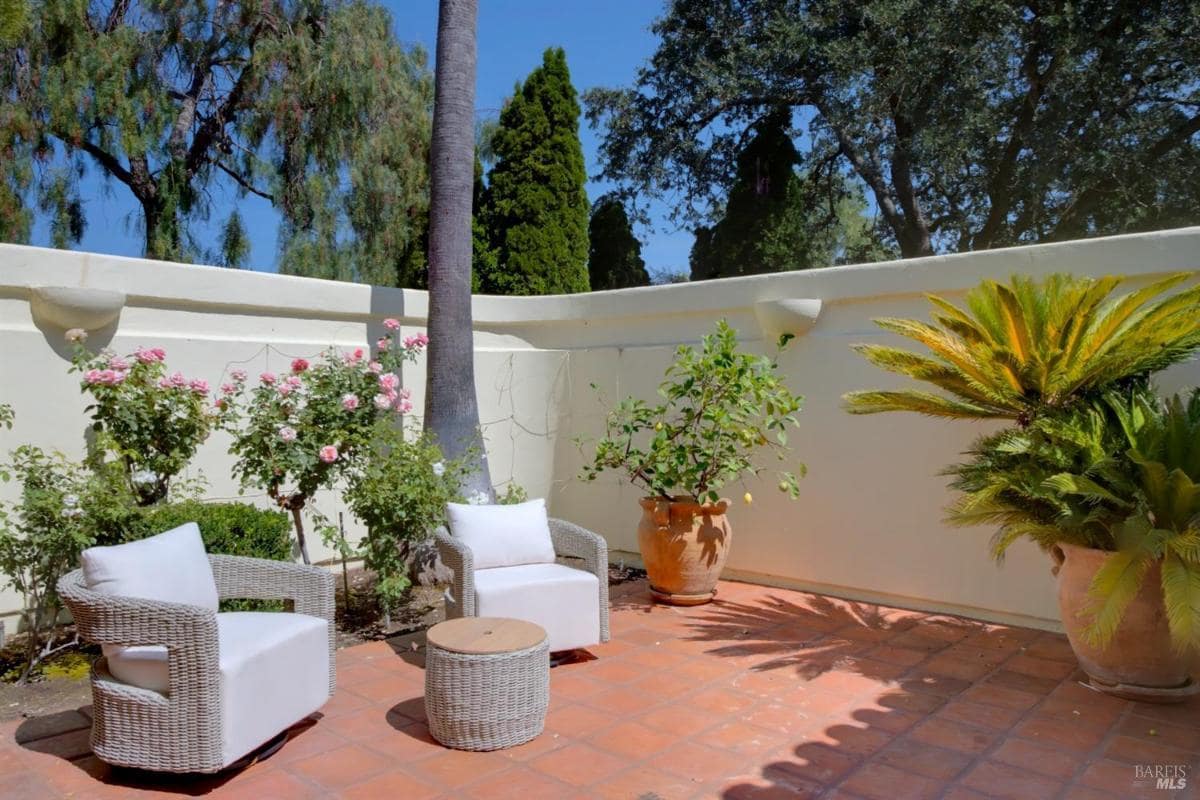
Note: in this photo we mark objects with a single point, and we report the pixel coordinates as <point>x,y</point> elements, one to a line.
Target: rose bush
<point>151,420</point>
<point>306,430</point>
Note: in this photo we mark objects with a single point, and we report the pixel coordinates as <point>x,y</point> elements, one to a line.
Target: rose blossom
<point>404,405</point>
<point>349,401</point>
<point>149,355</point>
<point>118,363</point>
<point>416,341</point>
<point>328,454</point>
<point>389,382</point>
<point>287,434</point>
<point>238,375</point>
<point>391,324</point>
<point>267,378</point>
<point>284,389</point>
<point>228,388</point>
<point>382,401</point>
<point>178,381</point>
<point>198,385</point>
<point>76,335</point>
<point>374,366</point>
<point>299,365</point>
<point>382,344</point>
<point>92,376</point>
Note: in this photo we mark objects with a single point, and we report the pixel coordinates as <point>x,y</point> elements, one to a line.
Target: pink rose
<point>284,389</point>
<point>178,381</point>
<point>416,341</point>
<point>238,375</point>
<point>76,335</point>
<point>267,378</point>
<point>391,324</point>
<point>349,401</point>
<point>382,401</point>
<point>287,434</point>
<point>149,355</point>
<point>328,454</point>
<point>389,382</point>
<point>92,376</point>
<point>299,365</point>
<point>374,366</point>
<point>404,405</point>
<point>198,385</point>
<point>118,363</point>
<point>228,388</point>
<point>382,344</point>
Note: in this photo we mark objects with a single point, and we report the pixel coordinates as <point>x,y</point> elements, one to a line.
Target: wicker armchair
<point>464,598</point>
<point>183,729</point>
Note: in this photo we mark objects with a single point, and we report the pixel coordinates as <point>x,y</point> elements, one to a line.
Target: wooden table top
<point>485,635</point>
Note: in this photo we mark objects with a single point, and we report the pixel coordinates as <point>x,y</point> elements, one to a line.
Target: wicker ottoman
<point>487,682</point>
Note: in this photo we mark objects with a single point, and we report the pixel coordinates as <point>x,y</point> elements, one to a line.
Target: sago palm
<point>1159,520</point>
<point>1028,346</point>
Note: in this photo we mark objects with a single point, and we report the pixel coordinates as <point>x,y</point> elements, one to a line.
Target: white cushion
<point>274,672</point>
<point>503,536</point>
<point>171,567</point>
<point>563,600</point>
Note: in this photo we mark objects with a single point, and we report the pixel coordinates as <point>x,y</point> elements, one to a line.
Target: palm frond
<point>1181,597</point>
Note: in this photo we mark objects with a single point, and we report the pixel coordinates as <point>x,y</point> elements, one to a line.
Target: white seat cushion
<point>274,673</point>
<point>563,600</point>
<point>503,536</point>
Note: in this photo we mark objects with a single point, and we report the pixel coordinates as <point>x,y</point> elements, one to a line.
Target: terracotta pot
<point>1139,662</point>
<point>684,545</point>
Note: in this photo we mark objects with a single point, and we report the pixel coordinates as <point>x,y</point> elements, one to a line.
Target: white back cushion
<point>171,567</point>
<point>503,536</point>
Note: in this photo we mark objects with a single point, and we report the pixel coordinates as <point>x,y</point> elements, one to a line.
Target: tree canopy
<point>535,206</point>
<point>970,123</point>
<point>614,253</point>
<point>313,106</point>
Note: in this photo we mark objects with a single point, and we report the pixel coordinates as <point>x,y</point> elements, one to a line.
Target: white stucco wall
<point>867,524</point>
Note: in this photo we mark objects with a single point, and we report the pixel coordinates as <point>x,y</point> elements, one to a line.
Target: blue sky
<point>605,43</point>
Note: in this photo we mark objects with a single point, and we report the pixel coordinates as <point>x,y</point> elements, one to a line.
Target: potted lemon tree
<point>720,406</point>
<point>1092,466</point>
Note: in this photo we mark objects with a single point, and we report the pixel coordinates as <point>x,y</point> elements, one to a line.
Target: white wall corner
<point>794,315</point>
<point>68,307</point>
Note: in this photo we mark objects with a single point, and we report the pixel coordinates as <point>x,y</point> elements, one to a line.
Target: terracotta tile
<point>996,718</point>
<point>621,701</point>
<point>720,701</point>
<point>336,769</point>
<point>73,744</point>
<point>1011,783</point>
<point>849,739</point>
<point>752,787</point>
<point>661,686</point>
<point>274,784</point>
<point>924,759</point>
<point>1070,733</point>
<point>411,743</point>
<point>26,785</point>
<point>49,725</point>
<point>1053,646</point>
<point>1039,667</point>
<point>1025,683</point>
<point>1049,761</point>
<point>517,783</point>
<point>882,782</point>
<point>885,719</point>
<point>922,682</point>
<point>955,667</point>
<point>307,741</point>
<point>894,654</point>
<point>455,768</point>
<point>393,783</point>
<point>811,763</point>
<point>1003,696</point>
<point>1077,792</point>
<point>633,740</point>
<point>1180,713</point>
<point>579,764</point>
<point>343,702</point>
<point>953,735</point>
<point>1185,737</point>
<point>1139,751</point>
<point>576,720</point>
<point>740,737</point>
<point>643,782</point>
<point>616,671</point>
<point>786,719</point>
<point>680,716</point>
<point>367,724</point>
<point>547,742</point>
<point>389,688</point>
<point>697,762</point>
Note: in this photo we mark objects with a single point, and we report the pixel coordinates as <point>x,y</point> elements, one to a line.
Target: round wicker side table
<point>487,682</point>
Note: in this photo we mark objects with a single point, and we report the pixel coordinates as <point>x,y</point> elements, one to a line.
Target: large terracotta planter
<point>684,545</point>
<point>1139,663</point>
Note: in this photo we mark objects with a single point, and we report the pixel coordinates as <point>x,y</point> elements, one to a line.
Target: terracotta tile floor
<point>766,693</point>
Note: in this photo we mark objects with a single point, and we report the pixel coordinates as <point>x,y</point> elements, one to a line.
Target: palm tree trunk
<point>451,408</point>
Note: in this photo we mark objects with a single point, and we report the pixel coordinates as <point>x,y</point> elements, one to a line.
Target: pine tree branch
<point>243,182</point>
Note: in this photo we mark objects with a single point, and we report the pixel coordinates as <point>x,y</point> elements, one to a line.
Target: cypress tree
<point>614,253</point>
<point>536,210</point>
<point>770,222</point>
